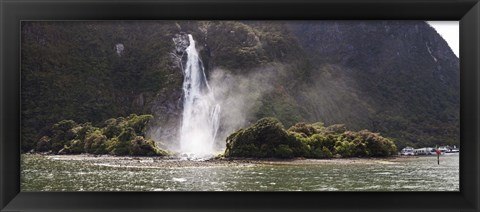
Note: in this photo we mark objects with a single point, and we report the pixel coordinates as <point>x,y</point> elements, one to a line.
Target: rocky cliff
<point>395,77</point>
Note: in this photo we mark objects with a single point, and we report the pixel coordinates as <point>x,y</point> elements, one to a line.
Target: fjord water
<point>45,173</point>
<point>200,118</point>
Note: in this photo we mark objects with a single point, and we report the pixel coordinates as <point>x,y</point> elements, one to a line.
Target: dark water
<point>41,173</point>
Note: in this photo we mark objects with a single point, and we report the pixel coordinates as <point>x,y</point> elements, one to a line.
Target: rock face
<point>397,75</point>
<point>398,78</point>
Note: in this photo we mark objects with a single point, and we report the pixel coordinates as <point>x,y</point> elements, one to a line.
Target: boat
<point>425,151</point>
<point>447,150</point>
<point>407,151</point>
<point>453,151</point>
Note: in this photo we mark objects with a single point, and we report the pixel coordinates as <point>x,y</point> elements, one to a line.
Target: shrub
<point>318,141</point>
<point>283,151</point>
<point>267,138</point>
<point>307,129</point>
<point>299,144</point>
<point>117,147</point>
<point>322,152</point>
<point>64,125</point>
<point>265,135</point>
<point>269,130</point>
<point>142,147</point>
<point>76,147</point>
<point>127,134</point>
<point>247,150</point>
<point>359,144</point>
<point>118,136</point>
<point>62,133</point>
<point>83,130</point>
<point>336,129</point>
<point>43,144</point>
<point>112,128</point>
<point>139,123</point>
<point>377,145</point>
<point>95,143</point>
<point>344,148</point>
<point>361,149</point>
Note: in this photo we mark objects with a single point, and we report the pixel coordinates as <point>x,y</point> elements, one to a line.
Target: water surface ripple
<point>51,173</point>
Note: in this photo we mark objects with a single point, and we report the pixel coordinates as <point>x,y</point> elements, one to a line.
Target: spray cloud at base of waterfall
<point>225,102</point>
<point>240,96</point>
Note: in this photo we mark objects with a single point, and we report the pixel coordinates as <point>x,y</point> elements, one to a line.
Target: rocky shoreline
<point>174,162</point>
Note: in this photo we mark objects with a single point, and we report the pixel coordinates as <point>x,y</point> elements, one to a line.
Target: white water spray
<point>200,119</point>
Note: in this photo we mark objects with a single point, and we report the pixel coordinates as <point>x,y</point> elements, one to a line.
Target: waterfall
<point>200,121</point>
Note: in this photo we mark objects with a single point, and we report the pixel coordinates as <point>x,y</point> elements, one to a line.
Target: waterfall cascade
<point>200,121</point>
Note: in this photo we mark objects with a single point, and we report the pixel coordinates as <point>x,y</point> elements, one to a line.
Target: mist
<point>239,97</point>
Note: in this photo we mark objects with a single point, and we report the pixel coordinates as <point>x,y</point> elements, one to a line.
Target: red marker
<point>438,156</point>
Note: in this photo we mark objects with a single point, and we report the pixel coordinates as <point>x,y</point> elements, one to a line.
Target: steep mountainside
<point>405,76</point>
<point>396,77</point>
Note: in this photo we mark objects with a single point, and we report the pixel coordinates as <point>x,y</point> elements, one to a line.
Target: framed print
<point>239,105</point>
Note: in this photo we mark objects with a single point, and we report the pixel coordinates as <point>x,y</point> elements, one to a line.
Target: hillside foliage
<point>398,78</point>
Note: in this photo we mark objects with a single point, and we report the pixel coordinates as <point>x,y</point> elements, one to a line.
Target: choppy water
<point>40,173</point>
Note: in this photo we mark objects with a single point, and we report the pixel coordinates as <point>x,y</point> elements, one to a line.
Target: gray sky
<point>450,31</point>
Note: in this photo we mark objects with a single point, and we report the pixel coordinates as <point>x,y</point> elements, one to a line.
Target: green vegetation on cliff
<point>120,136</point>
<point>268,138</point>
<point>398,78</point>
<point>72,71</point>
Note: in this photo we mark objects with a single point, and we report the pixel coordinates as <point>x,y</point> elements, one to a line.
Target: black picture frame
<point>13,11</point>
